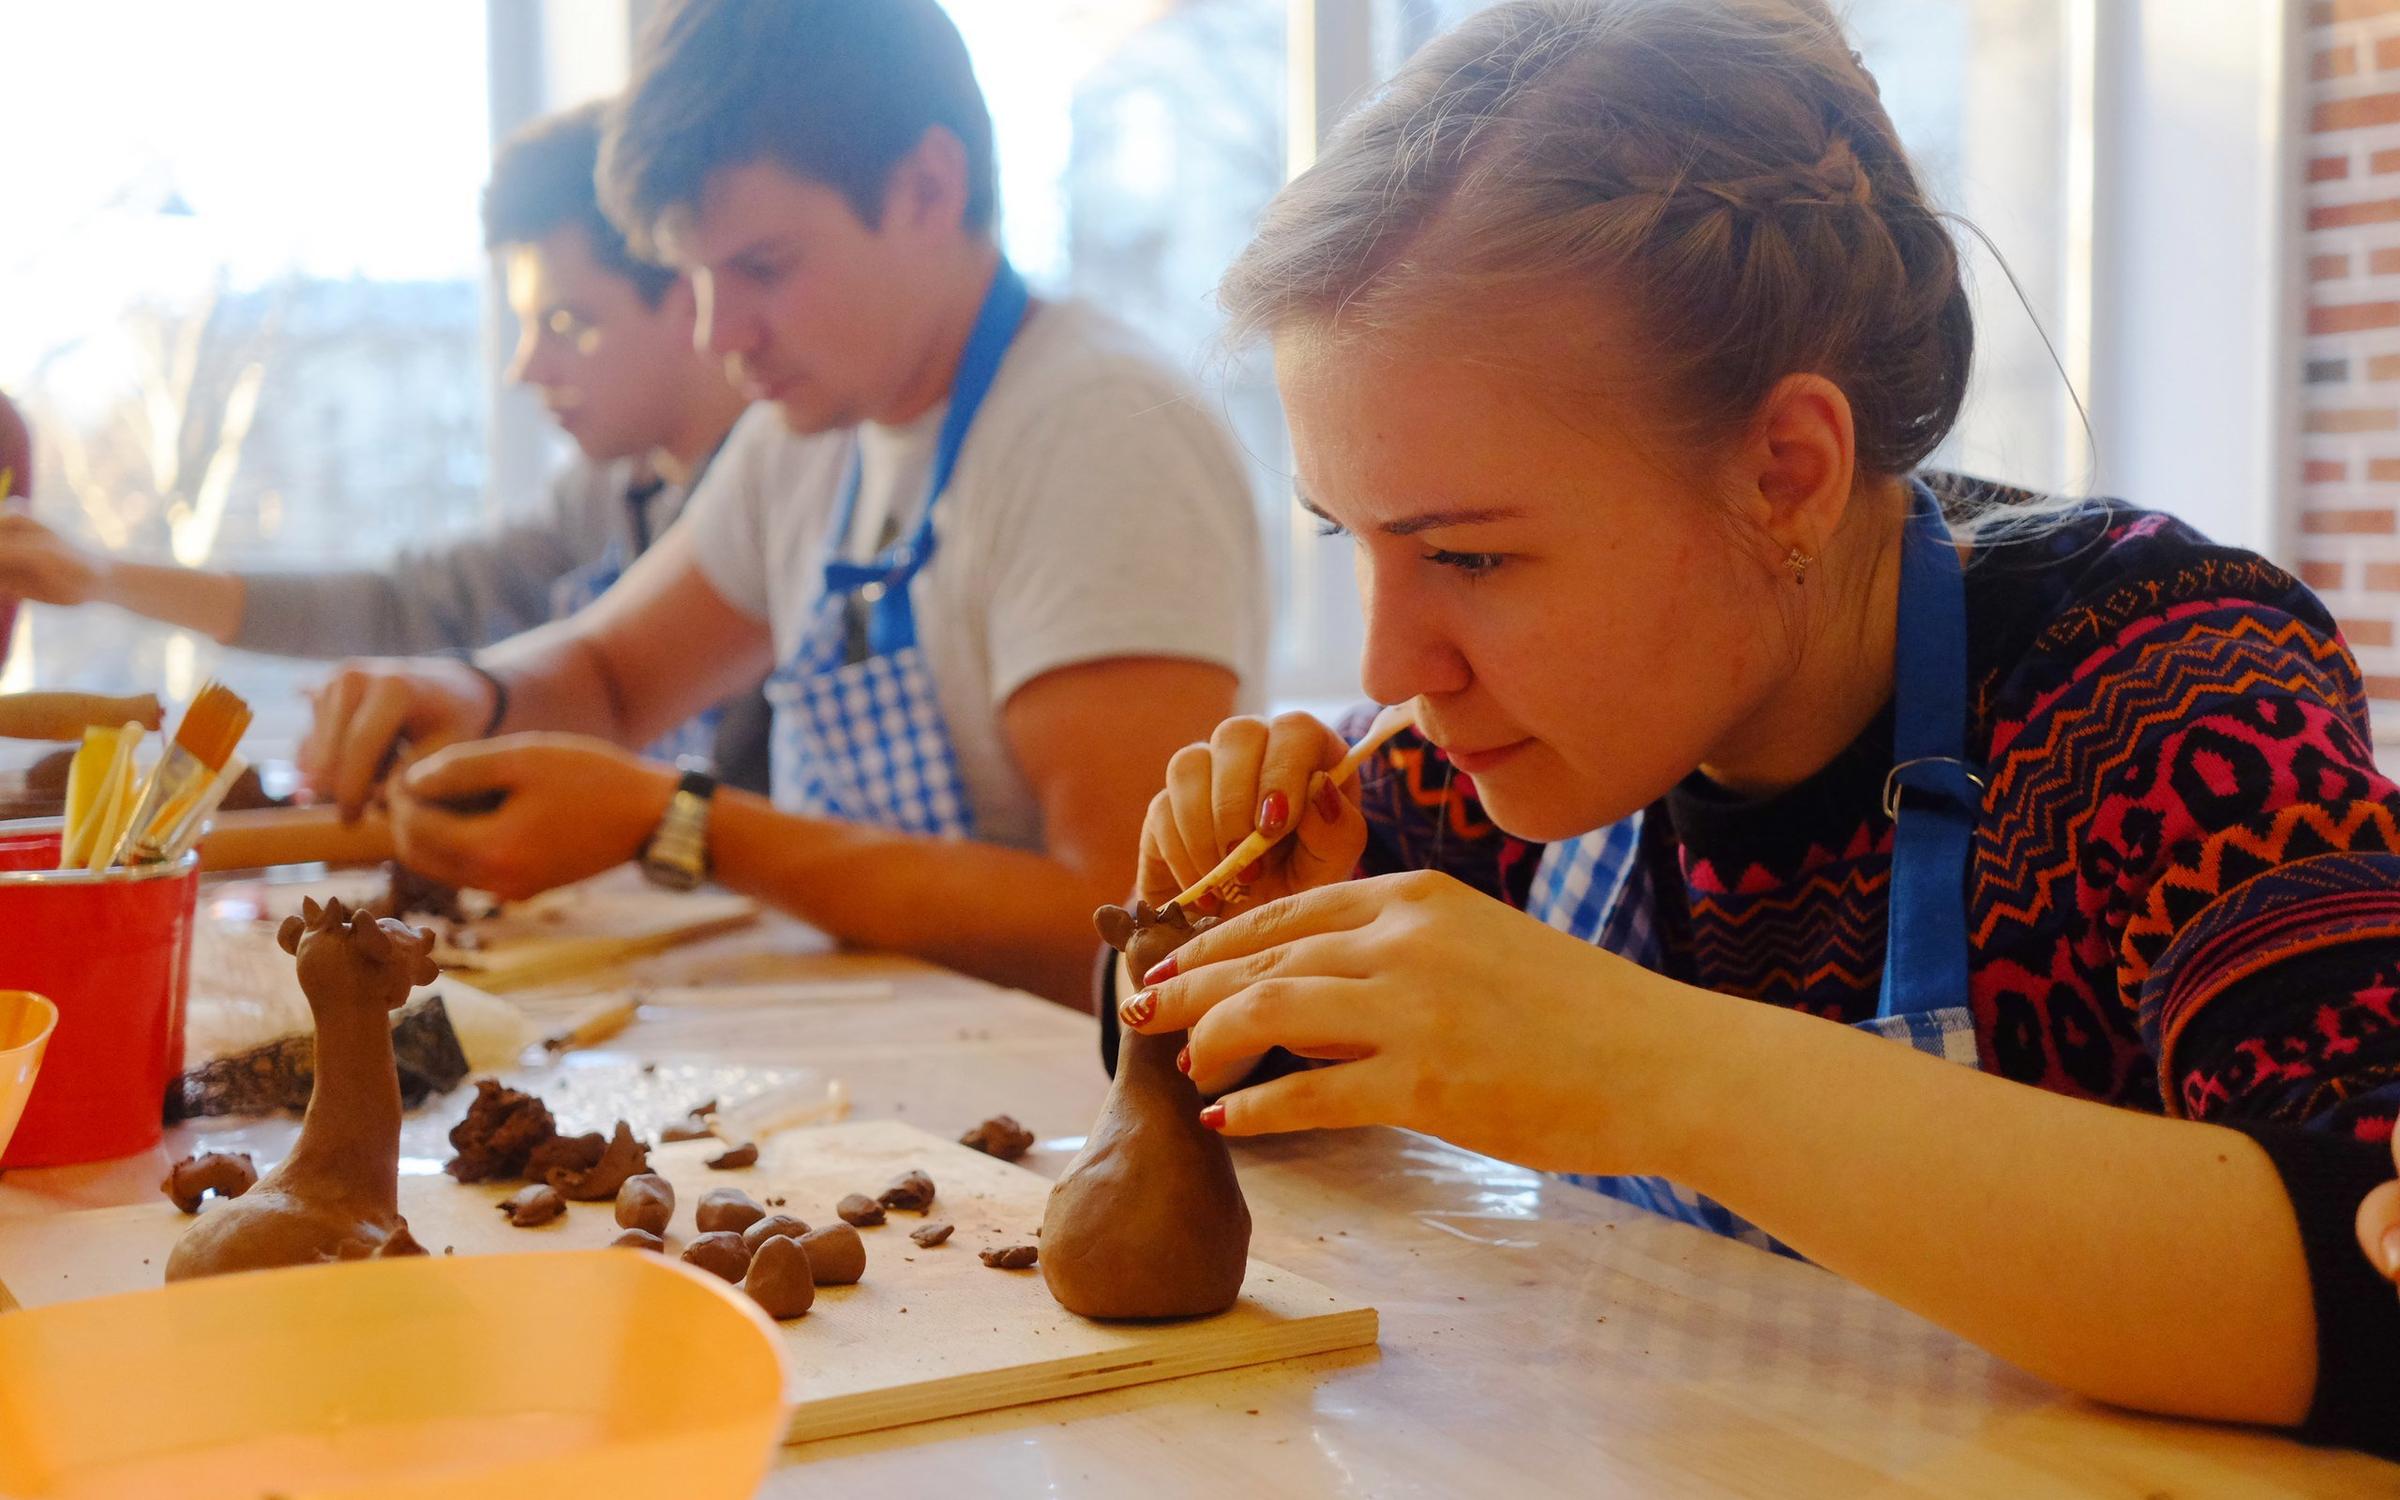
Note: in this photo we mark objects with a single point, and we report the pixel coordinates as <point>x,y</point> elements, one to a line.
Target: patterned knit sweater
<point>2184,893</point>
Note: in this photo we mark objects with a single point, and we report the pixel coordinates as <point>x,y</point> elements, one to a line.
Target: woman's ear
<point>1799,464</point>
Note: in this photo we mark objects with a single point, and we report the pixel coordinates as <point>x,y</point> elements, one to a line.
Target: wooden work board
<point>927,1333</point>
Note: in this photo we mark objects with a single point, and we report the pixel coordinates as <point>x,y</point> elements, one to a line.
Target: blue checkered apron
<point>859,734</point>
<point>1933,795</point>
<point>693,739</point>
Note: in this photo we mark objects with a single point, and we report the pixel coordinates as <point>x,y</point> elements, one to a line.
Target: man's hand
<point>37,563</point>
<point>371,707</point>
<point>568,807</point>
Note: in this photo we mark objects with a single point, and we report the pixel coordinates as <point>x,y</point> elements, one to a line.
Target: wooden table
<point>1537,1338</point>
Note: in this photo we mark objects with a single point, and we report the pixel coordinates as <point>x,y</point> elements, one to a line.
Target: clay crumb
<point>228,1174</point>
<point>859,1209</point>
<point>930,1235</point>
<point>912,1190</point>
<point>533,1206</point>
<point>743,1155</point>
<point>1010,1257</point>
<point>999,1136</point>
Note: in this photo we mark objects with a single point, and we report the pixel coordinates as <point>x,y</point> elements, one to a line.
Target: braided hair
<point>1722,170</point>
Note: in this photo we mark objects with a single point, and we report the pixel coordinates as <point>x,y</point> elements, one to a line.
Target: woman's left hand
<point>1451,1013</point>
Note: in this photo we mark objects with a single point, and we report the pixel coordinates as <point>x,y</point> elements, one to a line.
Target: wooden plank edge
<point>595,953</point>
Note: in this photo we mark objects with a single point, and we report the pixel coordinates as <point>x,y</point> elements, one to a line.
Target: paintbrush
<point>1225,882</point>
<point>204,741</point>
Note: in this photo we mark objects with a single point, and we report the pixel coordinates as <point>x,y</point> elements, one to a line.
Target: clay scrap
<point>228,1174</point>
<point>624,1156</point>
<point>931,1235</point>
<point>999,1136</point>
<point>859,1209</point>
<point>1010,1257</point>
<point>912,1191</point>
<point>499,1133</point>
<point>531,1207</point>
<point>744,1155</point>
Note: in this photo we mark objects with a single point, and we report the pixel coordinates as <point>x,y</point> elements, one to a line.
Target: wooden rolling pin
<point>260,837</point>
<point>65,716</point>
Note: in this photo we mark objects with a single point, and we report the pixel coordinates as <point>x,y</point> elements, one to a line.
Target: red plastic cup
<point>114,952</point>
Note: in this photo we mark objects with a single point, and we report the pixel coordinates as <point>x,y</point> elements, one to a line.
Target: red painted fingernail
<point>1183,1060</point>
<point>1273,812</point>
<point>1213,1117</point>
<point>1161,972</point>
<point>1138,1010</point>
<point>1328,798</point>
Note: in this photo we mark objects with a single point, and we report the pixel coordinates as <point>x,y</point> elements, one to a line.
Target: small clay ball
<point>836,1255</point>
<point>535,1205</point>
<point>727,1208</point>
<point>931,1235</point>
<point>646,1202</point>
<point>228,1174</point>
<point>999,1136</point>
<point>779,1279</point>
<point>719,1253</point>
<point>911,1190</point>
<point>773,1227</point>
<point>743,1155</point>
<point>639,1239</point>
<point>859,1209</point>
<point>1011,1257</point>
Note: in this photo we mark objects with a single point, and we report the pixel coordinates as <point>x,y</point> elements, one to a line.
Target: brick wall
<point>2346,533</point>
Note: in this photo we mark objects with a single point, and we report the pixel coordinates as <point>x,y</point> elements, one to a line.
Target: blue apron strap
<point>1933,793</point>
<point>884,582</point>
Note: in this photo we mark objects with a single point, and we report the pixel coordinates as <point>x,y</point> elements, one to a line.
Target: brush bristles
<point>213,725</point>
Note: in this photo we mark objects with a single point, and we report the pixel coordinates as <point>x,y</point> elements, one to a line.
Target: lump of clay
<point>639,1239</point>
<point>1011,1257</point>
<point>931,1235</point>
<point>1148,1221</point>
<point>565,1153</point>
<point>646,1202</point>
<point>773,1227</point>
<point>228,1174</point>
<point>337,1196</point>
<point>999,1136</point>
<point>727,1209</point>
<point>911,1190</point>
<point>499,1133</point>
<point>836,1255</point>
<point>694,1124</point>
<point>533,1206</point>
<point>743,1155</point>
<point>626,1155</point>
<point>399,1243</point>
<point>779,1279</point>
<point>719,1254</point>
<point>859,1209</point>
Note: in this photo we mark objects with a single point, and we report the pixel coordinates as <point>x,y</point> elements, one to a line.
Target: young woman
<point>1614,333</point>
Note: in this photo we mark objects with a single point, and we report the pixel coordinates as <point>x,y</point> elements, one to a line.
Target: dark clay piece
<point>337,1196</point>
<point>498,1134</point>
<point>999,1136</point>
<point>1011,1257</point>
<point>565,1153</point>
<point>228,1174</point>
<point>773,1227</point>
<point>779,1280</point>
<point>1148,1221</point>
<point>719,1254</point>
<point>911,1190</point>
<point>931,1235</point>
<point>728,1209</point>
<point>626,1155</point>
<point>400,1243</point>
<point>694,1124</point>
<point>734,1157</point>
<point>646,1202</point>
<point>836,1255</point>
<point>859,1209</point>
<point>532,1206</point>
<point>638,1239</point>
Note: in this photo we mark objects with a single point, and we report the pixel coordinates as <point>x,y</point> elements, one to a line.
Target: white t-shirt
<point>1098,510</point>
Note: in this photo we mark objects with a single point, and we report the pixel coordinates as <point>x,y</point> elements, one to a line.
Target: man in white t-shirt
<point>1000,560</point>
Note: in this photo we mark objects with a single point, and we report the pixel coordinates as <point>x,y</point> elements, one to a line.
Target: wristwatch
<point>677,854</point>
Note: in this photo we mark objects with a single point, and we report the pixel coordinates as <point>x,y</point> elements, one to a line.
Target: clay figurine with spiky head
<point>337,1196</point>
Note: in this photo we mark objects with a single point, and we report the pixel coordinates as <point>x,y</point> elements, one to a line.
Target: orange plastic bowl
<point>493,1377</point>
<point>26,1021</point>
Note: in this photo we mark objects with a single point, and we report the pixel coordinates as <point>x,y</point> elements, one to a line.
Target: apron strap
<point>1933,794</point>
<point>883,583</point>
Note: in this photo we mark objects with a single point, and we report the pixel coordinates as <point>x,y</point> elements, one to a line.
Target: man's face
<point>809,306</point>
<point>610,368</point>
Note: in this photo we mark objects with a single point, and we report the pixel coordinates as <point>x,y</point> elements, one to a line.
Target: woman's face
<point>1577,624</point>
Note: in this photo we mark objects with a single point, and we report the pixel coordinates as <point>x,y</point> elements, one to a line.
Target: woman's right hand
<point>37,563</point>
<point>1254,774</point>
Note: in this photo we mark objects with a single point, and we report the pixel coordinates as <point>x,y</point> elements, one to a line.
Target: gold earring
<point>1798,562</point>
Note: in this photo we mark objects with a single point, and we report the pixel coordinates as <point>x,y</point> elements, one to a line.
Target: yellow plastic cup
<point>26,1021</point>
<point>584,1373</point>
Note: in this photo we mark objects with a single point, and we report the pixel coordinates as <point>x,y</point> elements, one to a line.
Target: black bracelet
<point>499,688</point>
